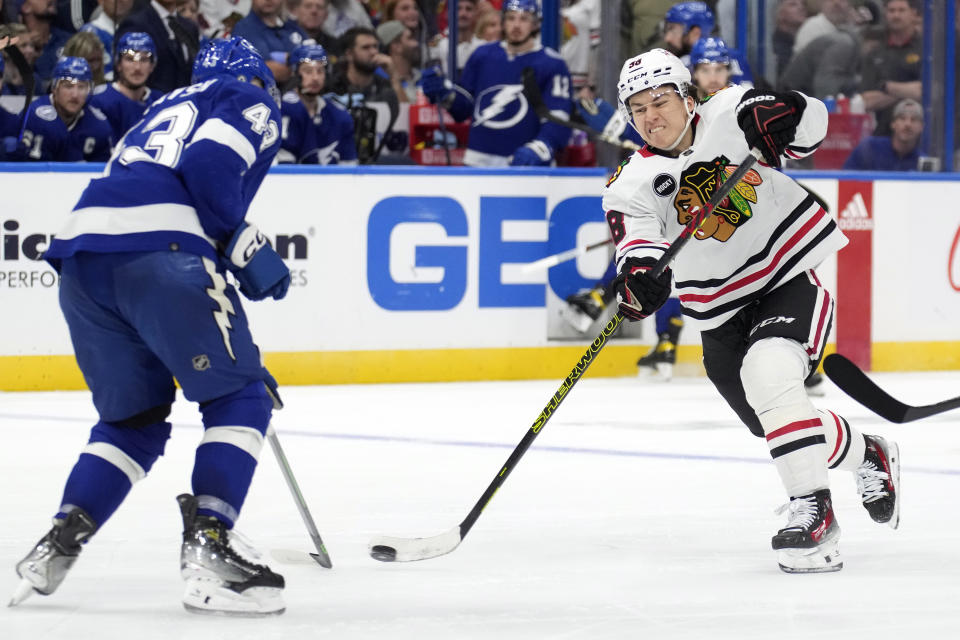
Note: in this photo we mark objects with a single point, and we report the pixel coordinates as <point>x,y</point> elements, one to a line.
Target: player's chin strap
<point>690,114</point>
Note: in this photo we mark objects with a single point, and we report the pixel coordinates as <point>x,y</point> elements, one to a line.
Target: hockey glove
<point>535,153</point>
<point>638,293</point>
<point>769,121</point>
<point>258,269</point>
<point>435,85</point>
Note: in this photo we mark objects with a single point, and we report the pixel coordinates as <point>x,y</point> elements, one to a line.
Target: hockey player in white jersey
<point>748,280</point>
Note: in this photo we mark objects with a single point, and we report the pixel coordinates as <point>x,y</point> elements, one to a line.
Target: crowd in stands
<point>374,58</point>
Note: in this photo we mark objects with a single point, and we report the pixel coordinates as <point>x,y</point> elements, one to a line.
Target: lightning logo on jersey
<point>506,100</point>
<point>222,315</point>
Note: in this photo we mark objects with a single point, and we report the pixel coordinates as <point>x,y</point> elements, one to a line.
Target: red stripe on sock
<point>794,426</point>
<point>839,436</point>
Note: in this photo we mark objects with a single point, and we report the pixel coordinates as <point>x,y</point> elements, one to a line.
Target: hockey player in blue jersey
<point>315,130</point>
<point>505,130</point>
<point>61,127</point>
<point>124,100</point>
<point>143,260</point>
<point>688,22</point>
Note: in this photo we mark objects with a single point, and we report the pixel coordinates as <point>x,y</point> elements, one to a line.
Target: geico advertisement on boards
<point>377,261</point>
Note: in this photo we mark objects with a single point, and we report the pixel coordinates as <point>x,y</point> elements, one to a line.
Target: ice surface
<point>642,510</point>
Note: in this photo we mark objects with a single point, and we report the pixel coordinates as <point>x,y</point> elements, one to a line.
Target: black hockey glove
<point>769,121</point>
<point>638,293</point>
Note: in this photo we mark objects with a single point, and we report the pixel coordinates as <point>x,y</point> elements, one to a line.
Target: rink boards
<point>416,274</point>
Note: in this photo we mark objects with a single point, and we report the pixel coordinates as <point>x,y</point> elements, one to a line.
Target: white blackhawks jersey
<point>768,230</point>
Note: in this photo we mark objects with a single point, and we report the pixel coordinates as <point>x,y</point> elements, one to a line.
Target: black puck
<point>383,553</point>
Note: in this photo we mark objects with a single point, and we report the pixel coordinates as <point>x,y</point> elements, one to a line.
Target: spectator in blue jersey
<point>60,127</point>
<point>176,38</point>
<point>143,260</point>
<point>274,37</point>
<point>38,16</point>
<point>505,130</point>
<point>104,24</point>
<point>315,130</point>
<point>900,151</point>
<point>124,100</point>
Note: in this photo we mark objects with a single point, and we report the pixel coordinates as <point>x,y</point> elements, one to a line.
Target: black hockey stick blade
<point>856,384</point>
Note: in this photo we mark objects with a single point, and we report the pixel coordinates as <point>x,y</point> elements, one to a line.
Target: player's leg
<point>663,355</point>
<point>585,306</point>
<point>206,343</point>
<point>132,392</point>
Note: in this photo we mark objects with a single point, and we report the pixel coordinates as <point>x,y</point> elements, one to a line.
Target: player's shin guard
<point>234,428</point>
<point>114,459</point>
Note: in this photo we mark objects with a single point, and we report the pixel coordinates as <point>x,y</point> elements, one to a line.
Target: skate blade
<point>893,456</point>
<point>822,559</point>
<point>579,321</point>
<point>23,591</point>
<point>208,596</point>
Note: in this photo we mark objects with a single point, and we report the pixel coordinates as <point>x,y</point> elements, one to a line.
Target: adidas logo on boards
<point>855,216</point>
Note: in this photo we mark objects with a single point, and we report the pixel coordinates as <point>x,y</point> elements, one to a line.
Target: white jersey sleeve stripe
<point>118,458</point>
<point>119,221</point>
<point>216,130</point>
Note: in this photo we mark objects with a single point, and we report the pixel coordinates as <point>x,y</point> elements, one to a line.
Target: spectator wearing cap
<point>124,100</point>
<point>176,38</point>
<point>900,151</point>
<point>38,16</point>
<point>271,35</point>
<point>60,126</point>
<point>404,53</point>
<point>104,25</point>
<point>311,16</point>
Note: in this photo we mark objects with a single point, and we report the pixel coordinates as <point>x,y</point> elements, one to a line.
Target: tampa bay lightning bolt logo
<point>500,107</point>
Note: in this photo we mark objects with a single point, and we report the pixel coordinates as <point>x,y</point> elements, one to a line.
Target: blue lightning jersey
<point>47,138</point>
<point>326,138</point>
<point>491,91</point>
<point>183,177</point>
<point>121,112</point>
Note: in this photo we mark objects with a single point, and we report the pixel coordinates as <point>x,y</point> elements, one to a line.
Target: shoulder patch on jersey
<point>47,112</point>
<point>619,170</point>
<point>291,97</point>
<point>550,51</point>
<point>96,113</point>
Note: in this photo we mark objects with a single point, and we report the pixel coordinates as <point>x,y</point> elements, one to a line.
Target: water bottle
<point>843,103</point>
<point>831,104</point>
<point>857,104</point>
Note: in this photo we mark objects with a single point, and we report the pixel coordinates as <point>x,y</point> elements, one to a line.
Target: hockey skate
<point>47,564</point>
<point>810,543</point>
<point>878,480</point>
<point>219,569</point>
<point>584,307</point>
<point>660,359</point>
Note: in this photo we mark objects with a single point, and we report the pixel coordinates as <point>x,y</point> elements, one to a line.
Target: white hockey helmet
<point>648,70</point>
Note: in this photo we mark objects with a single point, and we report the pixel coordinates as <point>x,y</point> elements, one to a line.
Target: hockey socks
<point>234,428</point>
<point>114,459</point>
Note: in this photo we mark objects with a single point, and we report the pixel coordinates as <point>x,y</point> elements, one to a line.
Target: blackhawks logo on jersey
<point>699,181</point>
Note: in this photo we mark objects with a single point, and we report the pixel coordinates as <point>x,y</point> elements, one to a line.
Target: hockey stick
<point>532,92</point>
<point>321,556</point>
<point>390,548</point>
<point>563,256</point>
<point>855,383</point>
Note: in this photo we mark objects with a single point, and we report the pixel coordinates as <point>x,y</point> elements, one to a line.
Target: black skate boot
<point>661,358</point>
<point>47,564</point>
<point>878,480</point>
<point>810,543</point>
<point>584,307</point>
<point>218,566</point>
